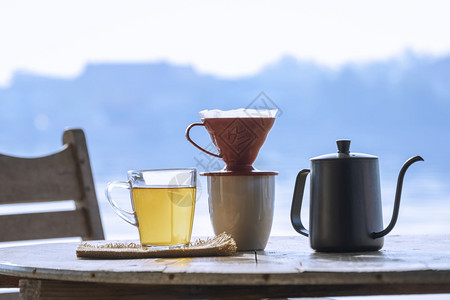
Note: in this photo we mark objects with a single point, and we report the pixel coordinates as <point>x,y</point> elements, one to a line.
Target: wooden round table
<point>287,268</point>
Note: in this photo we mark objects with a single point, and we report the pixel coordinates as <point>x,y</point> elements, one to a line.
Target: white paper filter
<point>239,113</point>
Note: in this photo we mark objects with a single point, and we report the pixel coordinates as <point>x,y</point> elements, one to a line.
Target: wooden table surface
<point>287,268</point>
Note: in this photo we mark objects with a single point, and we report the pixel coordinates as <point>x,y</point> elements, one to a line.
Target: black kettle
<point>345,201</point>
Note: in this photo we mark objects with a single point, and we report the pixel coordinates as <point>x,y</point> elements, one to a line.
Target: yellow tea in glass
<point>163,205</point>
<point>164,215</point>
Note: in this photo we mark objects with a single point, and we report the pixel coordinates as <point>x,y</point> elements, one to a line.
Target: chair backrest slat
<point>48,178</point>
<point>43,225</point>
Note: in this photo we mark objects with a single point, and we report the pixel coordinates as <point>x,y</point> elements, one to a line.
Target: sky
<point>224,38</point>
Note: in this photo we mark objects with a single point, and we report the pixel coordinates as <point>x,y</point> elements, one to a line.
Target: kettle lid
<point>344,153</point>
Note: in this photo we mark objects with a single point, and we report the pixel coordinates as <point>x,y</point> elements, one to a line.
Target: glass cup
<point>163,203</point>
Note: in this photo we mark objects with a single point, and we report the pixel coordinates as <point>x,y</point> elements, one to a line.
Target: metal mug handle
<point>128,216</point>
<point>297,200</point>
<point>195,144</point>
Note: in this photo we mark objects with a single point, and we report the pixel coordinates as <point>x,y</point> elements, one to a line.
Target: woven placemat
<point>221,245</point>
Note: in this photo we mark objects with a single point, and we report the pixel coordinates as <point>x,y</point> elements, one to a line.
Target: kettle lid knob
<point>343,146</point>
<point>343,153</point>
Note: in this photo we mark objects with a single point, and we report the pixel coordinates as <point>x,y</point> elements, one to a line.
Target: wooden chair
<point>65,175</point>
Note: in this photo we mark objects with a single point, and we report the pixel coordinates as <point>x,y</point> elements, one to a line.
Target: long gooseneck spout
<point>398,194</point>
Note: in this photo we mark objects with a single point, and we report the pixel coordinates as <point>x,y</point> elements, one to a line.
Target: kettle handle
<point>297,202</point>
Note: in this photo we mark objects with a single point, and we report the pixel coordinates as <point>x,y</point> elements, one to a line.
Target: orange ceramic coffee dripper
<point>237,134</point>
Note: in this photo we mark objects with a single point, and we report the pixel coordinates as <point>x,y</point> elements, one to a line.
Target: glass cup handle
<point>130,217</point>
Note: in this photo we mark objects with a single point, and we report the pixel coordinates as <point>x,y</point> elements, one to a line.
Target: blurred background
<point>134,74</point>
